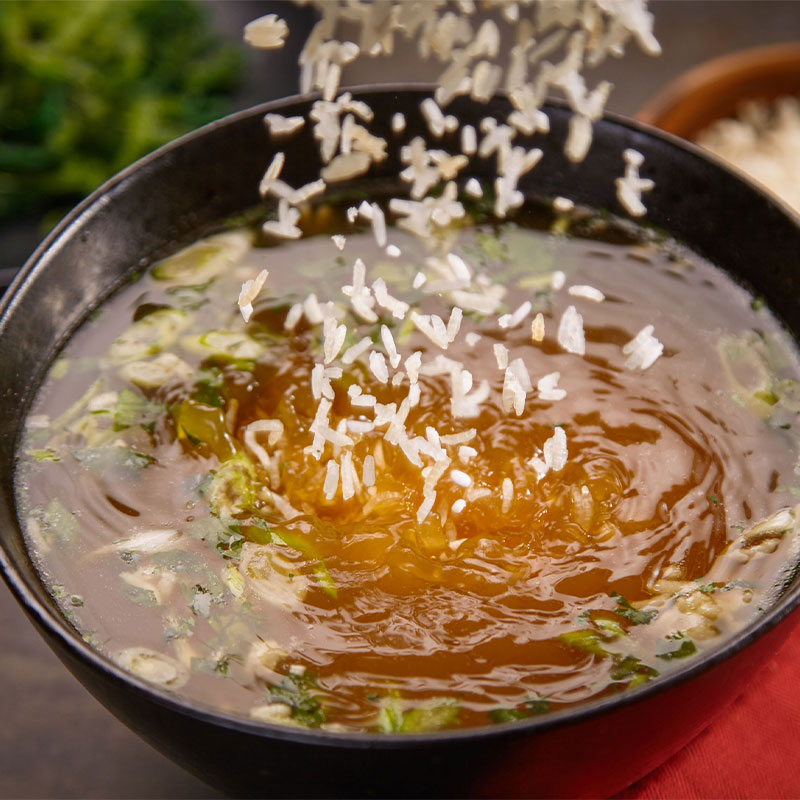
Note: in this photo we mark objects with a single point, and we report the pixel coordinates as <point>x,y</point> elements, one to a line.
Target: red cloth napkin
<point>752,750</point>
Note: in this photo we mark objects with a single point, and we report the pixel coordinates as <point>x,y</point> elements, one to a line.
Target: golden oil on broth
<point>159,526</point>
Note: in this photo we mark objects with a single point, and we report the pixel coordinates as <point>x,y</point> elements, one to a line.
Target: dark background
<point>55,739</point>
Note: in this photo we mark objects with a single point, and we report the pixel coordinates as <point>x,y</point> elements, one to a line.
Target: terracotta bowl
<point>715,89</point>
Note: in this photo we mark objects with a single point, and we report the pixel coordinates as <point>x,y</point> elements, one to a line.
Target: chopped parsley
<point>636,616</point>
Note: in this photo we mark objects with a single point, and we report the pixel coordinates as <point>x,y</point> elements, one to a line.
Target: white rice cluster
<point>764,141</point>
<point>584,34</point>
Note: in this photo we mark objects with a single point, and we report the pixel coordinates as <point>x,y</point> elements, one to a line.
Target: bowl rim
<point>714,73</point>
<point>48,620</point>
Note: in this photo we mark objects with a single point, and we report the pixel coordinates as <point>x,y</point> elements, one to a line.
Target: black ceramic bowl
<point>167,200</point>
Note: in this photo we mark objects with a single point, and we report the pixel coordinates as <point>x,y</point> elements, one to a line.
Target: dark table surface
<point>55,739</point>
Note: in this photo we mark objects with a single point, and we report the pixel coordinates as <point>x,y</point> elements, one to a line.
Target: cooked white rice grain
<point>454,439</point>
<point>279,125</point>
<point>348,475</point>
<point>398,308</point>
<point>368,471</point>
<point>312,310</point>
<point>563,205</point>
<point>517,366</point>
<point>579,138</point>
<point>425,507</point>
<point>377,366</point>
<point>537,328</point>
<point>469,140</point>
<point>461,478</point>
<point>454,324</point>
<point>266,33</point>
<point>317,377</point>
<point>356,350</point>
<point>539,467</point>
<point>500,355</point>
<point>507,491</point>
<point>642,350</point>
<point>465,453</point>
<point>331,480</point>
<point>571,335</point>
<point>547,387</point>
<point>515,318</point>
<point>630,186</point>
<point>285,227</point>
<point>412,366</point>
<point>588,292</point>
<point>425,324</point>
<point>346,166</point>
<point>334,336</point>
<point>433,117</point>
<point>555,450</point>
<point>293,316</point>
<point>391,347</point>
<point>473,188</point>
<point>249,292</point>
<point>513,396</point>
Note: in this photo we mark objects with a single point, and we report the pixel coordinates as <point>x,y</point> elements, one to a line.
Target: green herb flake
<point>296,691</point>
<point>492,246</point>
<point>123,461</point>
<point>432,715</point>
<point>499,715</point>
<point>630,669</point>
<point>178,628</point>
<point>587,639</point>
<point>46,454</point>
<point>686,648</point>
<point>209,387</point>
<point>636,616</point>
<point>59,524</point>
<point>537,706</point>
<point>132,409</point>
<point>139,596</point>
<point>179,561</point>
<point>217,668</point>
<point>609,626</point>
<point>708,588</point>
<point>201,601</point>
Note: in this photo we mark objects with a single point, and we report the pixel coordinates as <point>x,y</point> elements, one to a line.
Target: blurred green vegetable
<point>88,87</point>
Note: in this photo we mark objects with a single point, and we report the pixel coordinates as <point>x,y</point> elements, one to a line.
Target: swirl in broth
<point>211,562</point>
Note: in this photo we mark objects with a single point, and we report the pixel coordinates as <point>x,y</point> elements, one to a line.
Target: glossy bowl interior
<point>170,198</point>
<point>717,88</point>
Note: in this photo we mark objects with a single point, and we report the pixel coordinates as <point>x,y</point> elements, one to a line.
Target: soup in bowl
<point>261,547</point>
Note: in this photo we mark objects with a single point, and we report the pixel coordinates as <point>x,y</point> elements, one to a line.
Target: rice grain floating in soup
<point>549,461</point>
